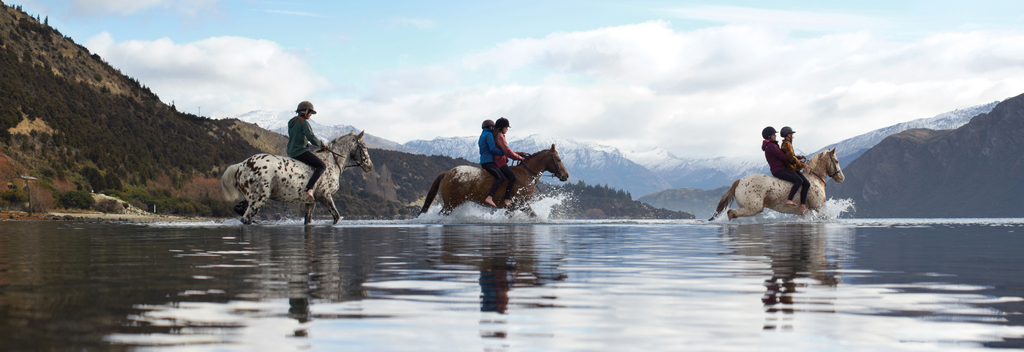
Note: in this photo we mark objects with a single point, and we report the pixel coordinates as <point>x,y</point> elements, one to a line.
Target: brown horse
<point>468,183</point>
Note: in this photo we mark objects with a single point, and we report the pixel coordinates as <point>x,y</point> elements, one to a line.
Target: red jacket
<point>502,160</point>
<point>776,158</point>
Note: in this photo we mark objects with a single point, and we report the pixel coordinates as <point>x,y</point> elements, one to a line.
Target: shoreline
<point>94,216</point>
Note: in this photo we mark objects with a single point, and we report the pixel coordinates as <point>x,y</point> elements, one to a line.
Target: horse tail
<point>229,184</point>
<point>726,199</point>
<point>432,193</point>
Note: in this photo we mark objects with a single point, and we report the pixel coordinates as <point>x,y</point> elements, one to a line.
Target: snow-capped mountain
<point>277,121</point>
<point>712,173</point>
<point>594,164</point>
<point>703,173</point>
<point>851,148</point>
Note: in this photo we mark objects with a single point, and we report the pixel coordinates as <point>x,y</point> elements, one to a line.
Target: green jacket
<point>299,134</point>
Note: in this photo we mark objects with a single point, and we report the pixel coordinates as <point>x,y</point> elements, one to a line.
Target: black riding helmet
<point>786,131</point>
<point>487,124</point>
<point>767,132</point>
<point>501,123</point>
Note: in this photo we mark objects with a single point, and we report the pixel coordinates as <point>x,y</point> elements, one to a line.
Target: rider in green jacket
<point>299,137</point>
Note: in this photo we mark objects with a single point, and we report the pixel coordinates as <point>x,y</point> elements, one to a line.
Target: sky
<point>700,79</point>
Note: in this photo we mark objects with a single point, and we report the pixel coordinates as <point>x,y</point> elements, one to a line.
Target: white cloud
<point>701,93</point>
<point>421,23</point>
<point>779,19</point>
<point>191,8</point>
<point>223,75</point>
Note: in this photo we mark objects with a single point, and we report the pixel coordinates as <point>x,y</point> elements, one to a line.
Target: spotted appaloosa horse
<point>755,192</point>
<point>469,183</point>
<point>264,177</point>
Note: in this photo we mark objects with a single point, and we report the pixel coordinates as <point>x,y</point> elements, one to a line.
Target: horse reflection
<point>507,258</point>
<point>796,252</point>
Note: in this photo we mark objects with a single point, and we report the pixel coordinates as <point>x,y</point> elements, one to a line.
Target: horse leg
<point>328,202</point>
<point>251,211</point>
<point>240,207</point>
<point>309,212</point>
<point>746,210</point>
<point>529,210</point>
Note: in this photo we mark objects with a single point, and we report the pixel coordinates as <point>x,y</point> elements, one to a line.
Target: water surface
<point>846,285</point>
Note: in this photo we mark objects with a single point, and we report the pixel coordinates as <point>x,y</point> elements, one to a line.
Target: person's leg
<point>789,176</point>
<point>511,177</point>
<point>805,185</point>
<point>492,168</point>
<point>318,169</point>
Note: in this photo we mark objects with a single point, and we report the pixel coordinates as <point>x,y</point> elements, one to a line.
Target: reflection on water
<point>648,285</point>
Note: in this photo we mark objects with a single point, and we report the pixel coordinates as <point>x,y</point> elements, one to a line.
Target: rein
<point>822,175</point>
<point>336,156</point>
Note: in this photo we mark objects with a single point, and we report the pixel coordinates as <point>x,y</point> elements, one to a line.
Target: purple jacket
<point>776,158</point>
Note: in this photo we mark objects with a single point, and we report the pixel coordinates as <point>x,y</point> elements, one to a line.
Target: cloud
<point>223,75</point>
<point>292,13</point>
<point>87,8</point>
<point>701,93</point>
<point>421,23</point>
<point>779,19</point>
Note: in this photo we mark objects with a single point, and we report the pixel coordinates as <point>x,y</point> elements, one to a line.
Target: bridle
<point>528,169</point>
<point>361,160</point>
<point>832,164</point>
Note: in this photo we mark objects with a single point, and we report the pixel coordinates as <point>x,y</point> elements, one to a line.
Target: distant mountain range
<point>640,173</point>
<point>976,170</point>
<point>851,148</point>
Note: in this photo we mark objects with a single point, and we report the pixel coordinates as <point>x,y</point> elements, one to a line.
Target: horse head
<point>554,165</point>
<point>353,147</point>
<point>826,163</point>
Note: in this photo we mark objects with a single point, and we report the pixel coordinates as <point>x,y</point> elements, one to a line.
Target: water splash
<point>832,210</point>
<point>472,213</point>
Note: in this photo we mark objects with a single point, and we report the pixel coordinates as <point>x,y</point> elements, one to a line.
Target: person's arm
<point>308,132</point>
<point>791,158</point>
<point>493,148</point>
<point>506,150</point>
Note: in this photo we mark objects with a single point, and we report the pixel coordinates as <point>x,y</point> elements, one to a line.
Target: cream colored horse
<point>755,192</point>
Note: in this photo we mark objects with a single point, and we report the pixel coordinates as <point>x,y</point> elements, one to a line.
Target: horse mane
<point>349,134</point>
<point>815,161</point>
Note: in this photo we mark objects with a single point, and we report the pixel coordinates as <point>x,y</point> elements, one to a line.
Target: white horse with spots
<point>264,177</point>
<point>755,192</point>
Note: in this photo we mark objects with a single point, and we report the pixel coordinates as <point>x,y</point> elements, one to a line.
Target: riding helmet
<point>305,105</point>
<point>767,132</point>
<point>487,123</point>
<point>501,123</point>
<point>786,131</point>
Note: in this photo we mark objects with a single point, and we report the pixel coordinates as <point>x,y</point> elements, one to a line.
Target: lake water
<point>439,285</point>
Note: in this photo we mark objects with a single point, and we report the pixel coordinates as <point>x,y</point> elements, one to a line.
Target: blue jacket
<point>487,147</point>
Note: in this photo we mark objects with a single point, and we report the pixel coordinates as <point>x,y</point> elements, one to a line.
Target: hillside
<point>976,170</point>
<point>701,203</point>
<point>65,111</point>
<point>850,149</point>
<point>583,201</point>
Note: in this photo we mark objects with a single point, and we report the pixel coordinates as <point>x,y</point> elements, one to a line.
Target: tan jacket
<point>792,162</point>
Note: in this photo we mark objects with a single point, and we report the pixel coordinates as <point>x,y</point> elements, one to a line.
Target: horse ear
<point>552,147</point>
<point>833,151</point>
<point>361,134</point>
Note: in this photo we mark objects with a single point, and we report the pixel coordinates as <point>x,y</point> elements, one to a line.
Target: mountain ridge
<point>976,170</point>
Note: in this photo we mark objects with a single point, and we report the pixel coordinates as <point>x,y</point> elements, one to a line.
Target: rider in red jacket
<point>777,161</point>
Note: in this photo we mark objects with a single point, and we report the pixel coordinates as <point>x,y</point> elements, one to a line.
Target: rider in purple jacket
<point>777,161</point>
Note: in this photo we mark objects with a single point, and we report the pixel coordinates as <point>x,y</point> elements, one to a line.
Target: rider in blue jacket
<point>487,152</point>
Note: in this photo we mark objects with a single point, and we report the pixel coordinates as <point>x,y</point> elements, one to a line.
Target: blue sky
<point>698,78</point>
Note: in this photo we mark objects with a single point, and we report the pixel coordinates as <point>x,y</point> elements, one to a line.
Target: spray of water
<point>832,210</point>
<point>472,213</point>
